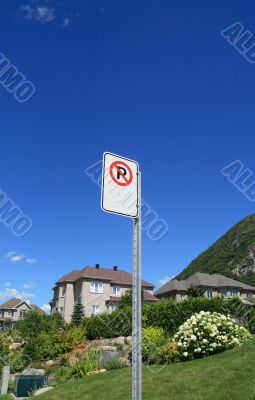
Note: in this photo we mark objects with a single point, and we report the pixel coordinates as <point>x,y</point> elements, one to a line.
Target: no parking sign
<point>120,185</point>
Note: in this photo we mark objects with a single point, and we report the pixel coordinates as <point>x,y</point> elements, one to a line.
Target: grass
<point>228,375</point>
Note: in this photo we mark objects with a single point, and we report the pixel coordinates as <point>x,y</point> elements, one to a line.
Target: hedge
<point>170,314</point>
<point>167,314</point>
<point>103,326</point>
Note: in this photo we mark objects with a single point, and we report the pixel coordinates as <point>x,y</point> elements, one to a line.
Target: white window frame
<point>209,291</point>
<point>116,290</point>
<point>234,293</point>
<point>95,309</point>
<point>96,287</point>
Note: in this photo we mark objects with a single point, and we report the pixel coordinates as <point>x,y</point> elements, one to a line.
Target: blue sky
<point>150,80</point>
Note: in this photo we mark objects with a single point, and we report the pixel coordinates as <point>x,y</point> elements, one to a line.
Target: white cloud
<point>28,285</point>
<point>42,14</point>
<point>12,292</point>
<point>31,260</point>
<point>165,280</point>
<point>66,22</point>
<point>9,254</point>
<point>46,308</point>
<point>14,257</point>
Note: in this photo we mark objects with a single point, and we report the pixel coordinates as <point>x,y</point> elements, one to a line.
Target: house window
<point>62,291</point>
<point>95,309</point>
<point>96,287</point>
<point>22,314</point>
<point>224,293</point>
<point>61,311</point>
<point>209,294</point>
<point>234,293</point>
<point>116,290</point>
<point>112,307</point>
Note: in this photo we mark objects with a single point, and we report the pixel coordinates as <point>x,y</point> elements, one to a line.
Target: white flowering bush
<point>207,333</point>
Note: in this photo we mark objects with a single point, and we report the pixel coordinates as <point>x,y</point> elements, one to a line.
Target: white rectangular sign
<point>120,185</point>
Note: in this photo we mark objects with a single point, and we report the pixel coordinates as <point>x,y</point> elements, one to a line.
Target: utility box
<point>26,384</point>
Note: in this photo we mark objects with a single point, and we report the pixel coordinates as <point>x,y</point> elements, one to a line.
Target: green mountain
<point>233,255</point>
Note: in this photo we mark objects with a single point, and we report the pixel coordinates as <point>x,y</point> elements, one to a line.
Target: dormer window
<point>96,287</point>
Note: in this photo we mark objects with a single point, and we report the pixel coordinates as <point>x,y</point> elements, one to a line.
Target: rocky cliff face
<point>247,266</point>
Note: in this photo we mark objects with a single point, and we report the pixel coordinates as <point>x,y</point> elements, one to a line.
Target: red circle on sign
<point>116,164</point>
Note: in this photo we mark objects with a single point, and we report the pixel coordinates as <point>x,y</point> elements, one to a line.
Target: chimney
<point>115,267</point>
<point>97,266</point>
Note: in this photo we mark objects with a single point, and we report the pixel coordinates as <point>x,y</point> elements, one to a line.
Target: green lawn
<point>229,375</point>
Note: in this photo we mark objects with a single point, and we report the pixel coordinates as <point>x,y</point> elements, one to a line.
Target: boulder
<point>129,339</point>
<point>119,340</point>
<point>43,390</point>
<point>108,348</point>
<point>33,371</point>
<point>15,346</point>
<point>49,363</point>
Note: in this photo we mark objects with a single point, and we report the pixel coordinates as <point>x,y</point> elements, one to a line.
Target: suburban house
<point>99,289</point>
<point>14,310</point>
<point>213,284</point>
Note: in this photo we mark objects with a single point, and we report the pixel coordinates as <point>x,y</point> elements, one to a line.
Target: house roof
<point>147,296</point>
<point>204,280</point>
<point>14,302</point>
<point>119,276</point>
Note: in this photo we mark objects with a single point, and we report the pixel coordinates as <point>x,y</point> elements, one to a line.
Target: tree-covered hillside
<point>233,255</point>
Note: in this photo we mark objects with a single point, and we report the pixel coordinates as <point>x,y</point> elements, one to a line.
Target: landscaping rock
<point>129,339</point>
<point>43,390</point>
<point>49,363</point>
<point>33,371</point>
<point>15,346</point>
<point>107,348</point>
<point>92,373</point>
<point>119,340</point>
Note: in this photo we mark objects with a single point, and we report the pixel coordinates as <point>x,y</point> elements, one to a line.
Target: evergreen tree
<point>78,312</point>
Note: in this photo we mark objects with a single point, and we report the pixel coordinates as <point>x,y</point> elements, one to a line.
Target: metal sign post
<point>121,194</point>
<point>136,312</point>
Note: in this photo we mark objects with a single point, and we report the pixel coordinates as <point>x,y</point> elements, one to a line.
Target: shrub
<point>168,353</point>
<point>69,338</point>
<point>118,323</point>
<point>112,362</point>
<point>152,339</point>
<point>88,363</point>
<point>207,333</point>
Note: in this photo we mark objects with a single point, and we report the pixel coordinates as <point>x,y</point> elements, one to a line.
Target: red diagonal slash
<point>126,180</point>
